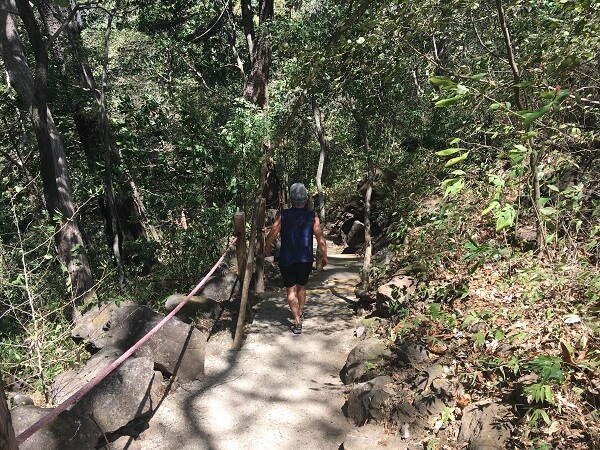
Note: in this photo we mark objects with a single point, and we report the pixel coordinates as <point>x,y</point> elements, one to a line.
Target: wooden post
<point>239,220</point>
<point>7,434</point>
<point>239,330</point>
<point>259,287</point>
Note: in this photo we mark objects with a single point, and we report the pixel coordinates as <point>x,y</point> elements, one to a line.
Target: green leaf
<point>494,204</point>
<point>453,186</point>
<point>521,148</point>
<point>530,116</point>
<point>461,89</point>
<point>506,217</point>
<point>454,141</point>
<point>478,76</point>
<point>449,151</point>
<point>458,172</point>
<point>448,101</point>
<point>442,81</point>
<point>548,211</point>
<point>479,338</point>
<point>457,159</point>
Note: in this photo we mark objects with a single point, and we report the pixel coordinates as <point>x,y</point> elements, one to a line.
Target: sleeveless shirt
<point>296,236</point>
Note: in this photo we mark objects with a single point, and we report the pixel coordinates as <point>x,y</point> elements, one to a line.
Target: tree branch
<point>510,54</point>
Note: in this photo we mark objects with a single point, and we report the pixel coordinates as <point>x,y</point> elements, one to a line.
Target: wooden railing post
<point>7,434</point>
<point>259,287</point>
<point>239,220</point>
<point>239,330</point>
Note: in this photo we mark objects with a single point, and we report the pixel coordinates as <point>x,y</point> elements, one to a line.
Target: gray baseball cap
<point>298,192</point>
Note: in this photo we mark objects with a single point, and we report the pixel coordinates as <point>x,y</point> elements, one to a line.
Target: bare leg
<point>292,298</point>
<point>301,295</point>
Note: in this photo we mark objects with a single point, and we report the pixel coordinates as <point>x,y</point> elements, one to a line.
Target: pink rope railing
<point>94,381</point>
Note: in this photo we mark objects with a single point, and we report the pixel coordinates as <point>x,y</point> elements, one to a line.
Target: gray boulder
<point>94,324</point>
<point>196,306</point>
<point>397,291</point>
<point>356,235</point>
<point>70,381</point>
<point>367,400</point>
<point>485,426</point>
<point>220,288</point>
<point>177,348</point>
<point>369,351</point>
<point>129,392</point>
<point>412,353</point>
<point>69,431</point>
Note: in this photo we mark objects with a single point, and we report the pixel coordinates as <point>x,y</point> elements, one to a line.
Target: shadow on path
<point>280,390</point>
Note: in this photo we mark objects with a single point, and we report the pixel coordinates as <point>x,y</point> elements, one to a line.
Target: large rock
<point>356,235</point>
<point>411,353</point>
<point>131,391</point>
<point>94,324</point>
<point>177,348</point>
<point>485,426</point>
<point>70,381</point>
<point>69,431</point>
<point>395,292</point>
<point>196,306</point>
<point>367,400</point>
<point>369,351</point>
<point>220,288</point>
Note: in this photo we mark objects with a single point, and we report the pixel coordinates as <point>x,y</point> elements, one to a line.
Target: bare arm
<point>275,229</point>
<point>320,241</point>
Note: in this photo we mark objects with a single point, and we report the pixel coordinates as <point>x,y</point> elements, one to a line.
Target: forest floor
<point>280,390</point>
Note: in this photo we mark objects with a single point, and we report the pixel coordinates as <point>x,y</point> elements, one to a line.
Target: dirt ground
<point>280,390</point>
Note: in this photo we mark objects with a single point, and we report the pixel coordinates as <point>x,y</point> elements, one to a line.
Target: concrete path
<point>280,391</point>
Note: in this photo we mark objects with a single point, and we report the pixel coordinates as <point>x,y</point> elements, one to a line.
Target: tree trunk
<point>257,81</point>
<point>322,155</point>
<point>94,129</point>
<point>534,156</point>
<point>54,170</point>
<point>510,54</point>
<point>7,434</point>
<point>362,131</point>
<point>255,90</point>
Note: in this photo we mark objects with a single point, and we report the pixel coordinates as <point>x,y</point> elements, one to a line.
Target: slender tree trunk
<point>55,176</point>
<point>7,434</point>
<point>248,23</point>
<point>366,270</point>
<point>540,229</point>
<point>94,129</point>
<point>255,90</point>
<point>510,54</point>
<point>115,223</point>
<point>534,156</point>
<point>322,155</point>
<point>362,130</point>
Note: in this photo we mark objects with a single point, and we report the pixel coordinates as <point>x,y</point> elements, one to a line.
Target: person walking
<point>297,226</point>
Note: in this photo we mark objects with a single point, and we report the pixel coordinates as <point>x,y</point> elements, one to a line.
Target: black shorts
<point>296,274</point>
